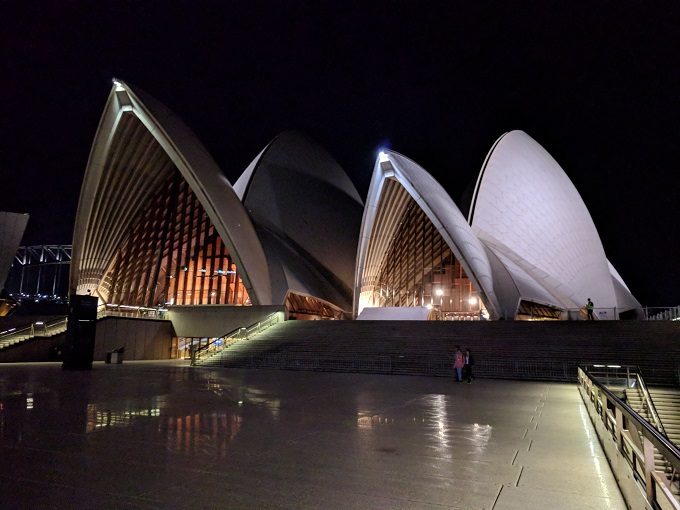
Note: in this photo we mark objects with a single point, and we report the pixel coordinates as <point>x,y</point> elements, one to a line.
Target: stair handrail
<point>31,330</point>
<point>664,446</point>
<point>632,373</point>
<point>650,403</point>
<point>199,351</point>
<point>241,333</point>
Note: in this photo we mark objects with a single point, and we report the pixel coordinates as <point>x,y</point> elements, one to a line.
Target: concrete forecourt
<point>162,435</point>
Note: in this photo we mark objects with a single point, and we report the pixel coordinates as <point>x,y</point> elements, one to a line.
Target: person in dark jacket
<point>589,309</point>
<point>469,361</point>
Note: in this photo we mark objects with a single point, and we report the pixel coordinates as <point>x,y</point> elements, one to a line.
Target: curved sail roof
<point>293,220</point>
<point>12,227</point>
<point>439,208</point>
<point>138,142</point>
<point>528,212</point>
<point>307,213</point>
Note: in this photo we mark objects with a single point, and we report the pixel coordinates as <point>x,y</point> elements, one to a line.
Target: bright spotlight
<point>118,85</point>
<point>382,157</point>
<point>472,300</point>
<point>440,292</point>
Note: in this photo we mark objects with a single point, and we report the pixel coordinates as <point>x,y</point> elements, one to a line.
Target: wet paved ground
<point>162,435</point>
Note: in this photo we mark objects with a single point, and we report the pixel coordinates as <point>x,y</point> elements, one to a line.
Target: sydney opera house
<point>159,225</point>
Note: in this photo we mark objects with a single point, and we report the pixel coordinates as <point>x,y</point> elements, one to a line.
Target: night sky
<point>595,83</point>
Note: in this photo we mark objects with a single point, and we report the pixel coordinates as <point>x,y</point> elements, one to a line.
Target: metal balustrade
<point>665,313</point>
<point>629,441</point>
<point>217,345</point>
<point>134,312</point>
<point>16,335</point>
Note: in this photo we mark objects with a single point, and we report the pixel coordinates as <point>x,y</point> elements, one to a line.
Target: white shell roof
<point>98,231</point>
<point>291,220</point>
<point>440,209</point>
<point>624,299</point>
<point>526,209</point>
<point>12,226</point>
<point>307,213</point>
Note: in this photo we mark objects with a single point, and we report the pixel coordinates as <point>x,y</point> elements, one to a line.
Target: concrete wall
<point>213,321</point>
<point>142,339</point>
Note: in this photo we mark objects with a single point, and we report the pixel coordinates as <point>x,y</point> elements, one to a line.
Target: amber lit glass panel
<point>172,254</point>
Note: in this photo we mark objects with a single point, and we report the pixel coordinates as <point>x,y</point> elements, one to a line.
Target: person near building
<point>468,362</point>
<point>589,308</point>
<point>458,363</point>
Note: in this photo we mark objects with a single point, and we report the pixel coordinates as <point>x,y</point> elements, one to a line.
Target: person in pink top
<point>458,363</point>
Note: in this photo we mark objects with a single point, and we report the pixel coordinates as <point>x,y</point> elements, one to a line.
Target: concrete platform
<point>163,435</point>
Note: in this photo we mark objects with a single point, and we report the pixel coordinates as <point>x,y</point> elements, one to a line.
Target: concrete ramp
<point>394,313</point>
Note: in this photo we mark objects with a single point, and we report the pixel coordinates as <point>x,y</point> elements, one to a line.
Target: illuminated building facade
<point>158,224</point>
<point>528,250</point>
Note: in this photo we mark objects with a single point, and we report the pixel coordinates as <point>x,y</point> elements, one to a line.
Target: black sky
<point>595,83</point>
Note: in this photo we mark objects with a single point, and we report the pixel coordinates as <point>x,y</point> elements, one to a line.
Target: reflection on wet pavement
<point>156,435</point>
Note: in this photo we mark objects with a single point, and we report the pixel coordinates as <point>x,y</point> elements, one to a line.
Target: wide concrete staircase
<point>667,404</point>
<point>669,401</point>
<point>502,349</point>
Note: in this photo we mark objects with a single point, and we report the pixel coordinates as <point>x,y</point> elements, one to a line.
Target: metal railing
<point>630,443</point>
<point>217,345</point>
<point>134,312</point>
<point>615,377</point>
<point>599,313</point>
<point>14,336</point>
<point>662,313</point>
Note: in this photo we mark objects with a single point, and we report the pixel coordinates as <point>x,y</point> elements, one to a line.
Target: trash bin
<point>115,356</point>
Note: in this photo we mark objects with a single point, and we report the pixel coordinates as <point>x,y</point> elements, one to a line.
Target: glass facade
<point>172,255</point>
